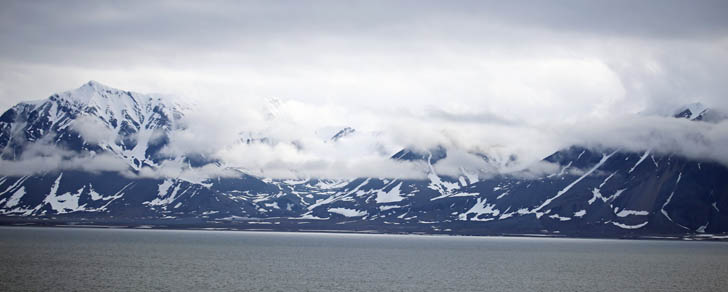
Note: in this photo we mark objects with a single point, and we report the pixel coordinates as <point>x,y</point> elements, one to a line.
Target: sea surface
<point>80,259</point>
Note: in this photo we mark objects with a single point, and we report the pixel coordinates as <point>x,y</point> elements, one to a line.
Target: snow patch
<point>624,213</point>
<point>567,188</point>
<point>596,194</point>
<point>164,187</point>
<point>327,185</point>
<point>625,226</point>
<point>273,205</point>
<point>348,212</point>
<point>389,207</point>
<point>393,195</point>
<point>65,203</point>
<point>478,209</point>
<point>15,198</point>
<point>163,198</point>
<point>560,218</point>
<point>702,228</point>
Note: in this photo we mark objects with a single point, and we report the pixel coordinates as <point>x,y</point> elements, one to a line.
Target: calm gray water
<point>55,259</point>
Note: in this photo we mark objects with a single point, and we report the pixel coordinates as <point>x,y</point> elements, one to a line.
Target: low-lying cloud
<point>292,139</point>
<point>291,143</point>
<point>41,157</point>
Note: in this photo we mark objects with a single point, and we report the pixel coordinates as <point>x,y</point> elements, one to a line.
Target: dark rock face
<point>348,131</point>
<point>432,155</point>
<point>606,193</point>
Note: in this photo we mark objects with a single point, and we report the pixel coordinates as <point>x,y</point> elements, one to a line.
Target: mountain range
<point>93,155</point>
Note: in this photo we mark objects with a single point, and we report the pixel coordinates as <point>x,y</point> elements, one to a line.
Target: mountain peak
<point>693,111</point>
<point>94,84</point>
<point>90,92</point>
<point>343,133</point>
<point>432,155</point>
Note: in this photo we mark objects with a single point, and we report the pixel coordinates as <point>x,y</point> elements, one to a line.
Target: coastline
<point>413,232</point>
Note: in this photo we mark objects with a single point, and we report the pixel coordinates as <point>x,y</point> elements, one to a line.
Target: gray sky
<point>479,65</point>
<point>533,53</point>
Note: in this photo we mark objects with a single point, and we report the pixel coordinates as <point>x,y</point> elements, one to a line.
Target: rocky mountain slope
<point>595,192</point>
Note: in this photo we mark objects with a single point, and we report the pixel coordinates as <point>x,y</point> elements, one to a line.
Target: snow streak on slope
<point>664,212</point>
<point>567,188</point>
<point>596,194</point>
<point>625,213</point>
<point>644,156</point>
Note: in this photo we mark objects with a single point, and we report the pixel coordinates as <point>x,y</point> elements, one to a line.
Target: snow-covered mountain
<point>693,111</point>
<point>608,193</point>
<point>95,118</point>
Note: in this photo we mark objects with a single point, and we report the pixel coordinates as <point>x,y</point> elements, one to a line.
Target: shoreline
<point>144,227</point>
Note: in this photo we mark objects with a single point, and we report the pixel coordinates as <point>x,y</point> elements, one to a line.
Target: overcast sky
<point>476,65</point>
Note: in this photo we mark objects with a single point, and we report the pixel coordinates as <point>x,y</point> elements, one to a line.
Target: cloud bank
<point>292,139</point>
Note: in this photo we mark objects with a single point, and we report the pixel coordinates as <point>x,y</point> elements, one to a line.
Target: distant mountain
<point>699,112</point>
<point>604,193</point>
<point>343,133</point>
<point>693,111</point>
<point>92,118</point>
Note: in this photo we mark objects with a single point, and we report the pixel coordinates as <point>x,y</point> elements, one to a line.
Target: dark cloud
<point>52,30</point>
<point>639,19</point>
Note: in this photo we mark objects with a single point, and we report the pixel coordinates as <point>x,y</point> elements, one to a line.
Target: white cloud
<point>507,79</point>
<point>93,130</point>
<point>38,159</point>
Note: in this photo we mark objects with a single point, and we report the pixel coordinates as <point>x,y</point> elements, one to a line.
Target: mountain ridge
<point>607,192</point>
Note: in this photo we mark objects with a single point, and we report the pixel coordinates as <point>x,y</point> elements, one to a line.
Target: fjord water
<point>78,259</point>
